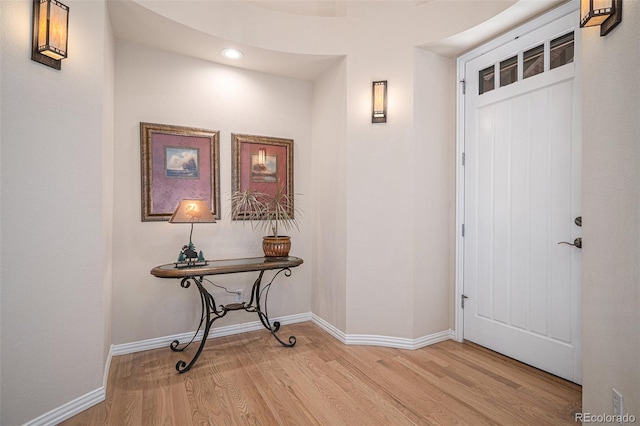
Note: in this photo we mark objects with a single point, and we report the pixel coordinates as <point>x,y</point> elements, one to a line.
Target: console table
<point>210,311</point>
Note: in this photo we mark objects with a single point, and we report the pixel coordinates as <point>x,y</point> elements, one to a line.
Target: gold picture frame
<point>177,163</point>
<point>263,164</point>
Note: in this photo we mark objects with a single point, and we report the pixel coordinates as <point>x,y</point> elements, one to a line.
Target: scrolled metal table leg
<point>208,307</point>
<point>186,283</point>
<point>256,293</point>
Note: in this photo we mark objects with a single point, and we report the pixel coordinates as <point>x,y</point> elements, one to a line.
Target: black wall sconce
<point>379,102</point>
<point>50,32</point>
<point>606,13</point>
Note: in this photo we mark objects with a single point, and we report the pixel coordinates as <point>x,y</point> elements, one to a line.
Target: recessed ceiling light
<point>232,53</point>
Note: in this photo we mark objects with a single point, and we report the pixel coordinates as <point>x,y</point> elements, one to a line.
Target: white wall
<point>330,199</point>
<point>107,181</point>
<point>55,127</point>
<point>399,192</point>
<point>380,226</point>
<point>611,200</point>
<point>434,189</point>
<point>160,87</point>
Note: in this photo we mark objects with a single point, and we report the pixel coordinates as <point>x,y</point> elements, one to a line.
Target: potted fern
<point>272,213</point>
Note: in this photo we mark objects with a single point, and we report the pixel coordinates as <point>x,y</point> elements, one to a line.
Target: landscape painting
<point>264,170</point>
<point>183,163</point>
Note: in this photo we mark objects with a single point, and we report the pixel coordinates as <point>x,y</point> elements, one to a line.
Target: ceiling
<point>136,21</point>
<point>521,12</point>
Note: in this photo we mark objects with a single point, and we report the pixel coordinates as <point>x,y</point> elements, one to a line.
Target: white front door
<point>522,194</point>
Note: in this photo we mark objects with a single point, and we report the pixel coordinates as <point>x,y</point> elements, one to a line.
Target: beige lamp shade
<point>192,211</point>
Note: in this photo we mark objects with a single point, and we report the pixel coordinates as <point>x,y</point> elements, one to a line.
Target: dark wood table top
<point>226,266</point>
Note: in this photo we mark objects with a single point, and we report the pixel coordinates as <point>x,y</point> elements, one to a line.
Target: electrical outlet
<point>617,403</point>
<point>239,295</point>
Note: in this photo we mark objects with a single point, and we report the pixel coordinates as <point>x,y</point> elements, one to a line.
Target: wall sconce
<point>606,13</point>
<point>379,102</point>
<point>191,211</point>
<point>50,32</point>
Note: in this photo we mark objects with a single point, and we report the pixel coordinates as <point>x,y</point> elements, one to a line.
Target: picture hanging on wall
<point>176,163</point>
<point>262,164</point>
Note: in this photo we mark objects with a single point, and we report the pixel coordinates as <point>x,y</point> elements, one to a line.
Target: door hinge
<point>462,297</point>
<point>463,158</point>
<point>463,229</point>
<point>464,86</point>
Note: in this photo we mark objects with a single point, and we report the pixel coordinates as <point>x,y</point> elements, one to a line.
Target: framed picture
<point>263,164</point>
<point>177,163</point>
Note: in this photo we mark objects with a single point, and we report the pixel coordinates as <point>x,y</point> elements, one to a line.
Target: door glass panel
<point>533,61</point>
<point>561,51</point>
<point>508,71</point>
<point>487,79</point>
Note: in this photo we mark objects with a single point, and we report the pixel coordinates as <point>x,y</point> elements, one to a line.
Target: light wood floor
<point>249,379</point>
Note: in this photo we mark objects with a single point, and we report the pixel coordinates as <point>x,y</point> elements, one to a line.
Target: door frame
<point>547,18</point>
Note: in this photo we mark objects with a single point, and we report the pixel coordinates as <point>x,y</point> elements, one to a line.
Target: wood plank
<point>249,379</point>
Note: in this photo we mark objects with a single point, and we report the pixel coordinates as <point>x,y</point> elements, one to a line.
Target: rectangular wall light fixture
<point>606,13</point>
<point>379,102</point>
<point>50,32</point>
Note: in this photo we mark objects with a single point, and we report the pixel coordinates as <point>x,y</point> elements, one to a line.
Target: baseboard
<point>164,342</point>
<point>329,328</point>
<point>70,409</point>
<point>434,338</point>
<point>387,341</point>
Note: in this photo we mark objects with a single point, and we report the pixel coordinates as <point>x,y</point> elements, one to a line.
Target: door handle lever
<point>576,243</point>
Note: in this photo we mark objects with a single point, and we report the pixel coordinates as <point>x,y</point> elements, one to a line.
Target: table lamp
<point>191,211</point>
